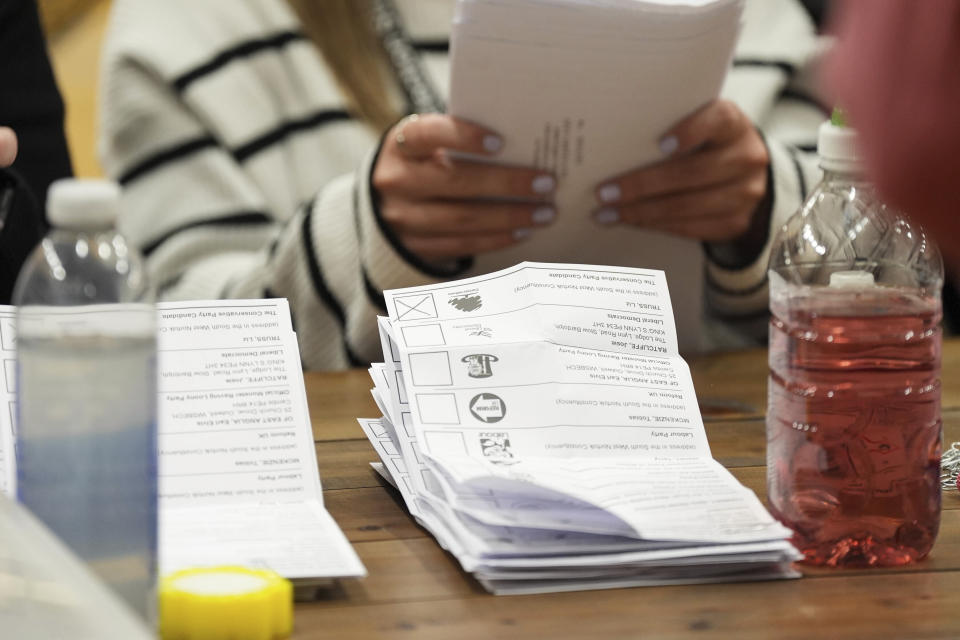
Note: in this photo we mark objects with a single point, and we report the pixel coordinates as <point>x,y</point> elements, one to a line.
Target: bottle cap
<point>836,146</point>
<point>83,203</point>
<point>225,603</point>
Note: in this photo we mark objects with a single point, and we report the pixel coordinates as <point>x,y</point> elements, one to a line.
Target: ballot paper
<point>586,89</point>
<point>238,481</point>
<point>8,409</point>
<point>540,422</point>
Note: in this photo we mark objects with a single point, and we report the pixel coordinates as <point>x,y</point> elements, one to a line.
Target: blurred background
<point>74,33</point>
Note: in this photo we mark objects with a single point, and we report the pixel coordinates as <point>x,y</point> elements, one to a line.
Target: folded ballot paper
<point>539,422</point>
<point>238,481</point>
<point>586,89</point>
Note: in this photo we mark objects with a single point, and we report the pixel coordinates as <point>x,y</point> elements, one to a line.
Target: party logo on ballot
<point>487,407</point>
<point>479,364</point>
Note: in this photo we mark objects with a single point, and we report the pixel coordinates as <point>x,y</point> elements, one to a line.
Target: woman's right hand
<point>441,206</point>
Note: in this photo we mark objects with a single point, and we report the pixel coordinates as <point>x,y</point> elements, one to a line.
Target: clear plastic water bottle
<point>853,416</point>
<point>86,390</point>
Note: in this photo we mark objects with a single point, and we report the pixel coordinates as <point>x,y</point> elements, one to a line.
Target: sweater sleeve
<point>741,294</point>
<point>333,261</point>
<point>211,226</point>
<point>776,78</point>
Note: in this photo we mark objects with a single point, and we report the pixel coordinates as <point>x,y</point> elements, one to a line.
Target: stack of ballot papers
<point>586,89</point>
<point>539,422</point>
<point>238,481</point>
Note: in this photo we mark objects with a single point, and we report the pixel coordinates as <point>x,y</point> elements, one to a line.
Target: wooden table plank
<point>905,605</point>
<point>336,400</point>
<point>371,514</point>
<point>345,464</point>
<point>950,375</point>
<point>731,385</point>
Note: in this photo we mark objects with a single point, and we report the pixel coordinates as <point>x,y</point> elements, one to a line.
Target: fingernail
<point>668,145</point>
<point>443,157</point>
<point>606,215</point>
<point>492,143</point>
<point>543,215</point>
<point>522,234</point>
<point>609,193</point>
<point>544,184</point>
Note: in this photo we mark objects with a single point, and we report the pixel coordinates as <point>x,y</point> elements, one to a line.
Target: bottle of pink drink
<point>853,416</point>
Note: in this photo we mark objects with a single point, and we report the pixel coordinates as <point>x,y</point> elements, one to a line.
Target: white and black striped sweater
<point>245,176</point>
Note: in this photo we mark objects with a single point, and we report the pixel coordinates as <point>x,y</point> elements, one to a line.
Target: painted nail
<point>492,143</point>
<point>544,184</point>
<point>668,145</point>
<point>609,193</point>
<point>522,234</point>
<point>543,215</point>
<point>606,215</point>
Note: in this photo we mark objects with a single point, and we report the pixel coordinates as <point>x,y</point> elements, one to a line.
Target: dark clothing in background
<point>819,10</point>
<point>30,104</point>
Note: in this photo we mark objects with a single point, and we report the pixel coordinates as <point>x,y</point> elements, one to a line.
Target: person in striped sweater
<point>261,151</point>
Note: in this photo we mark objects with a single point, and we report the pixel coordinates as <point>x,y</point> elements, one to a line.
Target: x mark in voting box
<point>416,307</point>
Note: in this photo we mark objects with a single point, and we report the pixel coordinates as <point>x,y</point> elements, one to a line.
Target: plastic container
<point>49,593</point>
<point>86,391</point>
<point>225,603</point>
<point>853,417</point>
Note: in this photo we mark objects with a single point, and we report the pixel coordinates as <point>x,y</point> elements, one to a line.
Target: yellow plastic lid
<point>225,603</point>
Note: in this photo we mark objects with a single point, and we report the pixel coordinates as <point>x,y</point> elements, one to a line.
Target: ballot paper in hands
<point>539,422</point>
<point>587,89</point>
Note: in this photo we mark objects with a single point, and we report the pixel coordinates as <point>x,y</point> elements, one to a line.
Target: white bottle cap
<point>837,148</point>
<point>851,280</point>
<point>83,203</point>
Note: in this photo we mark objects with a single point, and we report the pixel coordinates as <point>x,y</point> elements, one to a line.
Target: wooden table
<point>415,590</point>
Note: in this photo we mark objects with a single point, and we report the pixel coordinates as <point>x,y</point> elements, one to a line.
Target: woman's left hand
<point>709,186</point>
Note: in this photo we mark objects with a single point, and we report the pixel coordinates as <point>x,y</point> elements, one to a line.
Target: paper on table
<point>299,540</point>
<point>610,482</point>
<point>382,471</point>
<point>524,553</point>
<point>8,436</point>
<point>237,467</point>
<point>422,480</point>
<point>697,575</point>
<point>562,384</point>
<point>535,72</point>
<point>231,428</point>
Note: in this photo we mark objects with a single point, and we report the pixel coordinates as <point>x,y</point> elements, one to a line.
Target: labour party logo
<point>478,364</point>
<point>496,447</point>
<point>487,407</point>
